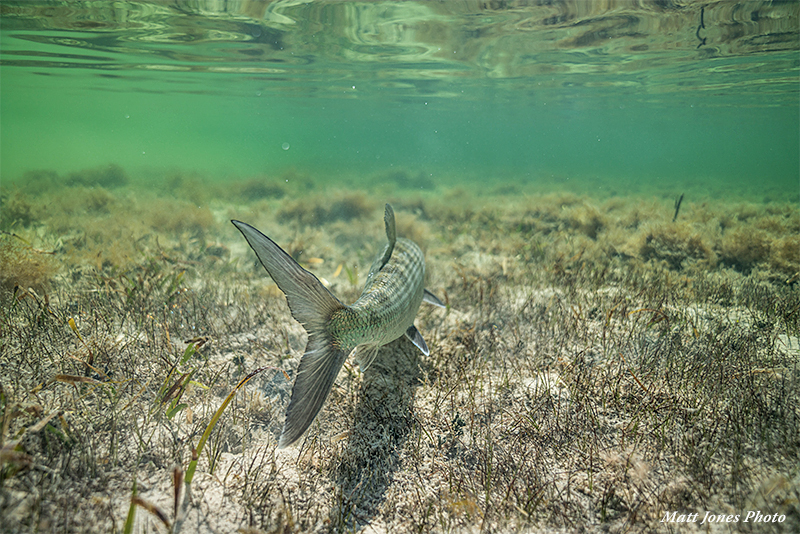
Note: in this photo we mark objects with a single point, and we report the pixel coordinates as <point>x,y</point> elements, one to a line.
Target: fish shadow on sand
<point>382,423</point>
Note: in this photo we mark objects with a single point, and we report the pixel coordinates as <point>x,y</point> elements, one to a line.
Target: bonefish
<point>385,311</point>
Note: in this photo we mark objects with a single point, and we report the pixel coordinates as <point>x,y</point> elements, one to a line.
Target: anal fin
<point>365,355</point>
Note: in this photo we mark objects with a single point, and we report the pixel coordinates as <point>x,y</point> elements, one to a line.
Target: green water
<point>617,99</point>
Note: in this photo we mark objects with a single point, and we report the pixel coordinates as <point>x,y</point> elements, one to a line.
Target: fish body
<point>389,302</point>
<point>385,311</point>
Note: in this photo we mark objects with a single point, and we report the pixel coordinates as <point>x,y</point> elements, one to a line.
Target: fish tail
<point>312,305</point>
<point>315,376</point>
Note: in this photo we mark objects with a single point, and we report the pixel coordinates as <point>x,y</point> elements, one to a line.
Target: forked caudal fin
<point>312,305</point>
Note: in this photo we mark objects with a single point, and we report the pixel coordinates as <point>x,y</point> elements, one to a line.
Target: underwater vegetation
<point>674,244</point>
<point>256,189</point>
<point>318,211</point>
<point>701,238</point>
<point>404,179</point>
<point>599,362</point>
<point>24,267</point>
<point>15,210</point>
<point>108,176</point>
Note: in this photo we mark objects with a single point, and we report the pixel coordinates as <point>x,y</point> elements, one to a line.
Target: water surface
<point>608,98</point>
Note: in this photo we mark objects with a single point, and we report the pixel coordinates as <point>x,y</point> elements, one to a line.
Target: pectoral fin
<point>416,338</point>
<point>430,298</point>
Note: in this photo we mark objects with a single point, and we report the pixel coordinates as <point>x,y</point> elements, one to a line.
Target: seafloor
<point>601,362</point>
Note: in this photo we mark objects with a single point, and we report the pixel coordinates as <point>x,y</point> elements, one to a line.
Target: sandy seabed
<point>601,363</point>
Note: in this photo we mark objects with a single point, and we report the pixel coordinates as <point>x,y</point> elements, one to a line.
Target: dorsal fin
<point>391,234</point>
